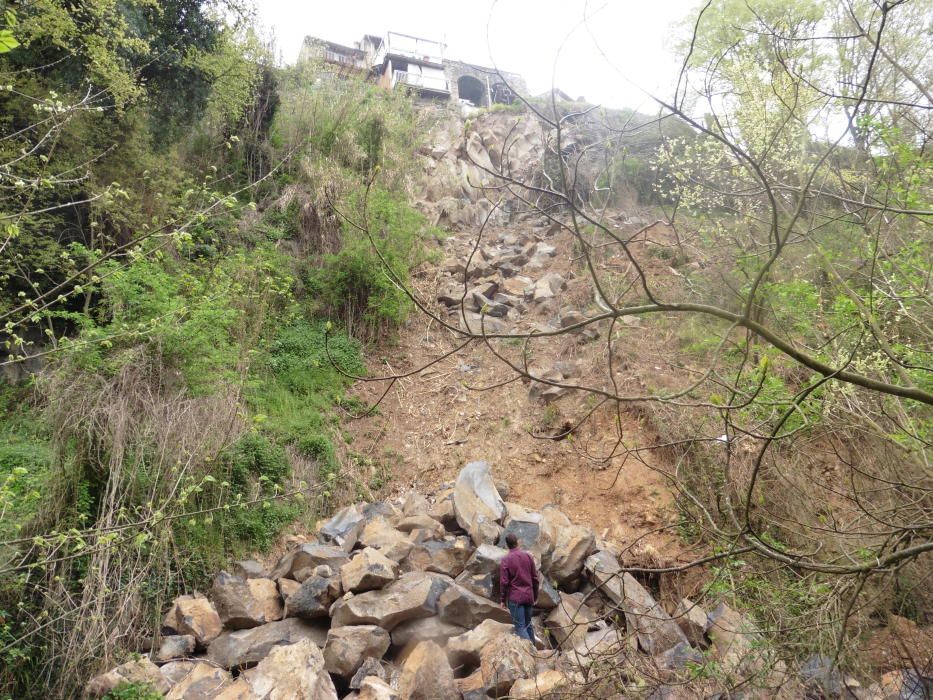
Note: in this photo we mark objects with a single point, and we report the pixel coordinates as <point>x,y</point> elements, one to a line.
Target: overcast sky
<point>605,50</point>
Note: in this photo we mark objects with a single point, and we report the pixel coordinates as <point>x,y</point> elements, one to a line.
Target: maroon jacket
<point>518,579</point>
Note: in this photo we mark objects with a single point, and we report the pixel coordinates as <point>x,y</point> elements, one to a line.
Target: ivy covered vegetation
<point>172,258</point>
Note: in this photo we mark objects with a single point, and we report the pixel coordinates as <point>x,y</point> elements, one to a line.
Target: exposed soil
<point>464,408</point>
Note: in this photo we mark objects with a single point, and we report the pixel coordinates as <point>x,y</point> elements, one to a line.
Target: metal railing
<point>423,82</point>
<point>343,59</point>
<point>414,47</point>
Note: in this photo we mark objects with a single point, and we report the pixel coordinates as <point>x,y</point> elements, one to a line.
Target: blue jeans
<point>521,618</point>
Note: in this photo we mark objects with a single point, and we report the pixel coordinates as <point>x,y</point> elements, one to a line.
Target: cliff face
<point>460,159</point>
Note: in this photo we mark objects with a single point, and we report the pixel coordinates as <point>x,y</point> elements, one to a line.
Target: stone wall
<point>454,70</point>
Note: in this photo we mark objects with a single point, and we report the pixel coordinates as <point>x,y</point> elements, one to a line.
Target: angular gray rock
<point>460,606</point>
<point>243,603</point>
<point>479,324</point>
<point>477,504</point>
<point>194,615</point>
<point>505,660</point>
<point>292,671</point>
<point>678,657</point>
<point>347,647</point>
<point>481,572</point>
<point>244,648</point>
<point>375,688</point>
<point>139,671</point>
<point>371,667</point>
<point>412,596</point>
<point>308,556</point>
<point>391,543</point>
<point>367,570</point>
<point>315,597</point>
<point>447,556</point>
<point>422,522</point>
<point>655,629</point>
<point>175,646</point>
<point>464,649</point>
<point>344,527</point>
<point>529,528</point>
<point>692,620</point>
<point>426,675</point>
<point>572,544</point>
<point>571,620</point>
<point>425,629</point>
<point>203,682</point>
<point>249,568</point>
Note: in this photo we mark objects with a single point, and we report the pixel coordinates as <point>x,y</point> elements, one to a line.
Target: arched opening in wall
<point>502,94</point>
<point>472,90</point>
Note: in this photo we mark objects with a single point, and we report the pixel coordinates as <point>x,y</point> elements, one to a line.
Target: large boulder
<point>203,682</point>
<point>443,510</point>
<point>572,544</point>
<point>379,534</point>
<point>655,629</point>
<point>412,596</point>
<point>481,572</point>
<point>505,660</point>
<point>343,529</point>
<point>462,607</point>
<point>306,558</point>
<point>472,687</point>
<point>464,650</point>
<point>415,503</point>
<point>367,570</point>
<point>603,646</point>
<point>139,671</point>
<point>175,646</point>
<point>370,667</point>
<point>478,506</point>
<point>244,648</point>
<point>243,603</point>
<point>425,629</point>
<point>529,528</point>
<point>175,671</point>
<point>570,621</point>
<point>315,596</point>
<point>347,647</point>
<point>547,684</point>
<point>677,658</point>
<point>374,688</point>
<point>292,672</point>
<point>548,596</point>
<point>194,615</point>
<point>733,636</point>
<point>424,524</point>
<point>692,620</point>
<point>427,675</point>
<point>447,556</point>
<point>249,568</point>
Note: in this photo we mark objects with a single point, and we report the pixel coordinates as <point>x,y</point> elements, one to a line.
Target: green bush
<point>134,691</point>
<point>255,457</point>
<point>357,284</point>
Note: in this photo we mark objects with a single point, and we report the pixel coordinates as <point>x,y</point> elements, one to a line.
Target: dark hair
<point>511,540</point>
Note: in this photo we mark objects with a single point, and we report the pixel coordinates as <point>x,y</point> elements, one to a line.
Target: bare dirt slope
<point>464,408</point>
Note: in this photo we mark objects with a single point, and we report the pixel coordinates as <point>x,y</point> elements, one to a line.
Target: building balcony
<point>423,83</point>
<point>414,49</point>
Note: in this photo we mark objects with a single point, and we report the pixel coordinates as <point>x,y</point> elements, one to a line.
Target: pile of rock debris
<point>400,600</point>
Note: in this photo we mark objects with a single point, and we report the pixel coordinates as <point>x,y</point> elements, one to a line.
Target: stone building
<point>417,64</point>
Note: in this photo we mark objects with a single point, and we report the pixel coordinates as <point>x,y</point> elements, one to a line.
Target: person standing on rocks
<point>518,583</point>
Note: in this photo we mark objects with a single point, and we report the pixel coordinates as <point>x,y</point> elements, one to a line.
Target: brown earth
<point>464,407</point>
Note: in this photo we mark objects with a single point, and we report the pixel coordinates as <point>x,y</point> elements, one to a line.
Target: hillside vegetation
<point>200,252</point>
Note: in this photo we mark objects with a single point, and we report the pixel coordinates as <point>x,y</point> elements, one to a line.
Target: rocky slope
<point>398,599</point>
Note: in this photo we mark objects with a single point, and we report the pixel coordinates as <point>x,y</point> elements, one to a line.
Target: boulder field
<point>399,600</point>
